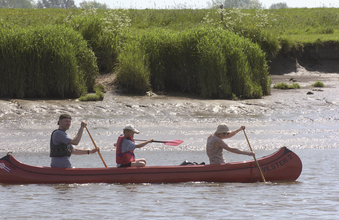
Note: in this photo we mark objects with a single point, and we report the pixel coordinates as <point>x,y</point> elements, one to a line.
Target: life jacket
<point>126,157</point>
<point>60,150</point>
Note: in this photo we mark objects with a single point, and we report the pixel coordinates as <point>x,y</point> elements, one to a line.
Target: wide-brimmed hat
<point>65,115</point>
<point>222,128</point>
<point>131,127</point>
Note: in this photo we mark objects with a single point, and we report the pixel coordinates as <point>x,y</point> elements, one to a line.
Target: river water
<point>306,124</point>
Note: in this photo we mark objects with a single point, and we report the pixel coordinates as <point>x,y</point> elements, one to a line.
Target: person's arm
<point>77,151</point>
<point>222,144</point>
<point>140,145</point>
<point>232,133</point>
<point>77,138</point>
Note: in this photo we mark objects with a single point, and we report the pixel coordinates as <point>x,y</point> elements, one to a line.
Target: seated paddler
<point>125,148</point>
<point>61,145</point>
<point>215,144</point>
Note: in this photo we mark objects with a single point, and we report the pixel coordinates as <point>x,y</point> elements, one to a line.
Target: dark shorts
<point>125,165</point>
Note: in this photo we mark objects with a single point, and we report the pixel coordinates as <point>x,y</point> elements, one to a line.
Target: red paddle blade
<point>173,143</point>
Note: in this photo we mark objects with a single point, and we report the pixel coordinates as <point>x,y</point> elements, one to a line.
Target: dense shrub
<point>318,84</point>
<point>103,30</point>
<point>98,96</point>
<point>286,86</point>
<point>132,69</point>
<point>50,61</point>
<point>181,49</point>
<point>230,64</point>
<point>211,62</point>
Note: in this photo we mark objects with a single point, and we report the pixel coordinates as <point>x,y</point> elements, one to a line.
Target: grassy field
<point>215,53</point>
<point>282,22</point>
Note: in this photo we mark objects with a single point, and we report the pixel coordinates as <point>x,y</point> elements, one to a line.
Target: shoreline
<point>192,103</point>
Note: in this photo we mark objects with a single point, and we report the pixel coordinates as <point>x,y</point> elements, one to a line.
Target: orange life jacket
<point>126,157</point>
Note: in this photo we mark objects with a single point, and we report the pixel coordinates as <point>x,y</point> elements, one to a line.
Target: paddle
<point>96,147</point>
<point>172,143</point>
<point>262,175</point>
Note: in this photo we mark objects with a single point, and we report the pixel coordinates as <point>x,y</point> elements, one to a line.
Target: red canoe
<point>283,165</point>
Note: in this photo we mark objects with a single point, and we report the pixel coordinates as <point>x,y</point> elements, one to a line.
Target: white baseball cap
<point>131,127</point>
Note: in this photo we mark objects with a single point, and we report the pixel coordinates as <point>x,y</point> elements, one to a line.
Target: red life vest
<point>126,157</point>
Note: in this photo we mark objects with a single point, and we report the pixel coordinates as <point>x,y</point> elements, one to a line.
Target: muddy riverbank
<point>300,118</point>
<point>116,103</point>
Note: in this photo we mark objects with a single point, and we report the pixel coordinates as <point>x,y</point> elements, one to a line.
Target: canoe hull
<point>283,165</point>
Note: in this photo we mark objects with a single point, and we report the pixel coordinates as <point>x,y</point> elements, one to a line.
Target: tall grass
<point>35,17</point>
<point>102,30</point>
<point>279,22</point>
<point>252,24</point>
<point>132,70</point>
<point>214,63</point>
<point>230,64</point>
<point>49,61</point>
<point>180,50</point>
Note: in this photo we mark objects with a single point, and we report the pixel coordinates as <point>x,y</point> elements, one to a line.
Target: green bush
<point>132,69</point>
<point>318,84</point>
<point>92,97</point>
<point>98,96</point>
<point>180,50</point>
<point>242,23</point>
<point>295,86</point>
<point>286,86</point>
<point>49,61</point>
<point>103,30</point>
<point>211,62</point>
<point>229,64</point>
<point>172,60</point>
<point>158,45</point>
<point>281,86</point>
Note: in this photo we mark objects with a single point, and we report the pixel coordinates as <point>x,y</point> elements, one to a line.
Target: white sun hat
<point>131,127</point>
<point>222,128</point>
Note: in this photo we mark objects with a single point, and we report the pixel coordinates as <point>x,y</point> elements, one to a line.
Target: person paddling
<point>215,144</point>
<point>61,144</point>
<point>125,148</point>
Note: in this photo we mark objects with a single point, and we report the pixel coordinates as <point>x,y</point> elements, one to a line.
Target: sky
<point>198,4</point>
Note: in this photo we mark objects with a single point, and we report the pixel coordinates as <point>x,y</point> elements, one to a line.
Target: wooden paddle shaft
<point>152,141</point>
<point>262,175</point>
<point>96,147</point>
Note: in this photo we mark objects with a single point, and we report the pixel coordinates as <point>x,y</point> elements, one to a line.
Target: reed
<point>184,50</point>
<point>49,61</point>
<point>213,63</point>
<point>102,30</point>
<point>231,65</point>
<point>132,69</point>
